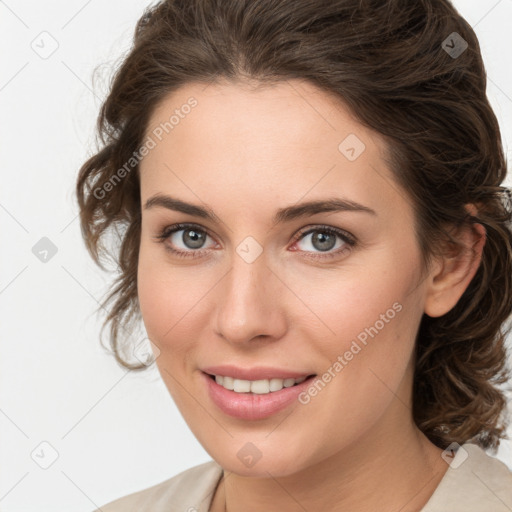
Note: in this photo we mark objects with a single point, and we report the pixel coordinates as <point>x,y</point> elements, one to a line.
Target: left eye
<point>324,239</point>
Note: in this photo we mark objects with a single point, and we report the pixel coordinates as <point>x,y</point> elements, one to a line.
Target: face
<point>328,297</point>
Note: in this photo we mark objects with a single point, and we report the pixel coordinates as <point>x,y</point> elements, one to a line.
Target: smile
<point>254,394</point>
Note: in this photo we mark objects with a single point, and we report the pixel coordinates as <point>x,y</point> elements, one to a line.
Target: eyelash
<point>345,237</point>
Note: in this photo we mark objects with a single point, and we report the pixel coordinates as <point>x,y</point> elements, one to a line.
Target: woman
<point>317,239</point>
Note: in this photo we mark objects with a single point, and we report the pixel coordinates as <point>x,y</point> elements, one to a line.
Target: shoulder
<point>474,482</point>
<point>189,491</point>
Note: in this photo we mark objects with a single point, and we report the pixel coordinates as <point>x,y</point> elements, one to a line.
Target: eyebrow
<point>282,215</point>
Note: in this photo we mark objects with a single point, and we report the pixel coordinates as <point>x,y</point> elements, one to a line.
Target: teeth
<point>241,386</point>
<point>276,384</point>
<point>229,383</point>
<point>259,387</point>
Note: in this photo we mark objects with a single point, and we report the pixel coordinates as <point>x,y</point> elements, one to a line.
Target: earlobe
<point>453,272</point>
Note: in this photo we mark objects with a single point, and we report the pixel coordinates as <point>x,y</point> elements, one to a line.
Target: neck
<point>375,473</point>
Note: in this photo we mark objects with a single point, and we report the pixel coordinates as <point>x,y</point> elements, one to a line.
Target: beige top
<point>474,482</point>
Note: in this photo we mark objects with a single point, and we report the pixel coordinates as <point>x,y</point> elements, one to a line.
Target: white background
<point>115,431</point>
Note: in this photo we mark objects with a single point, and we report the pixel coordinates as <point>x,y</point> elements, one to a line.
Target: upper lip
<point>255,373</point>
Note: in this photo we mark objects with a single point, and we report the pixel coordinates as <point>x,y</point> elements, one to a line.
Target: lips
<point>243,402</point>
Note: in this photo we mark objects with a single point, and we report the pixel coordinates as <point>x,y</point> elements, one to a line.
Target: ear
<point>451,273</point>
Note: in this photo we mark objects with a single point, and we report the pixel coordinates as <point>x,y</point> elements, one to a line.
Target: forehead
<point>277,114</point>
<point>276,142</point>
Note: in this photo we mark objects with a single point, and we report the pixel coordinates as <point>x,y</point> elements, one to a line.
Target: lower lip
<point>251,406</point>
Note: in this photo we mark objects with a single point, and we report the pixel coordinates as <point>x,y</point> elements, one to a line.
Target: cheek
<point>359,303</point>
<point>369,319</point>
<point>172,301</point>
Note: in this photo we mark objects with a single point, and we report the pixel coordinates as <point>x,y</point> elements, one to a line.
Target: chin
<point>261,455</point>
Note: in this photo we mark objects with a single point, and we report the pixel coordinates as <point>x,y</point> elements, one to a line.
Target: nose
<point>250,304</point>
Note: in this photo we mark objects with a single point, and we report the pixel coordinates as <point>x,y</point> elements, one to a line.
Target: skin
<point>246,151</point>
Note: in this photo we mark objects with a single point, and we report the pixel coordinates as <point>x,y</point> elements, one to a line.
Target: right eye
<point>191,237</point>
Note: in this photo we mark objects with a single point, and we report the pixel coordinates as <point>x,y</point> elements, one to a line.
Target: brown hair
<point>390,62</point>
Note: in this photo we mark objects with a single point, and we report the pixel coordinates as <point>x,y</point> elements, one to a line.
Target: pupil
<point>323,241</point>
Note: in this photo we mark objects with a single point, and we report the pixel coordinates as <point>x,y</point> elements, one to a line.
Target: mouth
<point>255,399</point>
